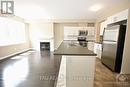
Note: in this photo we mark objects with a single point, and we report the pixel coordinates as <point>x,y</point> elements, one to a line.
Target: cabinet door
<point>98,49</point>
<point>91,31</point>
<point>71,33</point>
<point>102,26</point>
<point>118,17</point>
<point>110,20</point>
<point>80,71</point>
<point>91,46</point>
<point>121,16</point>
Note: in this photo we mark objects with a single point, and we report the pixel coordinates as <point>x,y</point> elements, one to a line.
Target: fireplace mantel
<point>51,40</point>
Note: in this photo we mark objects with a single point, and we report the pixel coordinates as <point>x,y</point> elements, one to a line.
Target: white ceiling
<point>63,9</point>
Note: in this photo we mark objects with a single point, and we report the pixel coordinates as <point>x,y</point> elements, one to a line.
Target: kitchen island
<point>77,65</point>
<point>74,48</point>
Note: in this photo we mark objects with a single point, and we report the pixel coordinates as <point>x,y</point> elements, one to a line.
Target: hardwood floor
<point>40,69</point>
<point>106,78</point>
<point>32,69</point>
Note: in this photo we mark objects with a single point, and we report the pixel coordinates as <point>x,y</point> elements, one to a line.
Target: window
<point>11,32</point>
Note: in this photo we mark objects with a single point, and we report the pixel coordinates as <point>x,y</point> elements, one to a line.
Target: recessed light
<point>95,7</point>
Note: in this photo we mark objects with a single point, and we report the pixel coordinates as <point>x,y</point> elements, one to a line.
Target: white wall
<point>58,35</point>
<point>6,51</point>
<point>40,31</point>
<point>126,55</point>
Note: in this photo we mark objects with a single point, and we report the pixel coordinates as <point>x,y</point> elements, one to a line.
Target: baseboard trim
<point>14,54</point>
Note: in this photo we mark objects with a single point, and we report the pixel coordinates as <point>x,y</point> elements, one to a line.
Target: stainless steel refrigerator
<point>113,45</point>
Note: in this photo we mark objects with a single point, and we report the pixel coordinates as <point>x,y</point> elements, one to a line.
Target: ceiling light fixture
<point>95,7</point>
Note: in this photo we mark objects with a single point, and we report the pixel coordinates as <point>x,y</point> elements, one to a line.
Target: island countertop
<point>74,48</point>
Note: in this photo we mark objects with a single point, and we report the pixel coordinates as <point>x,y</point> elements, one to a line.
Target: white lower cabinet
<point>90,46</point>
<point>98,50</point>
<point>76,71</point>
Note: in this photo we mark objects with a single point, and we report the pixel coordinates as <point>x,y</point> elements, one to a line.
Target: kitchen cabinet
<point>91,31</point>
<point>98,49</point>
<point>118,17</point>
<point>76,71</point>
<point>90,46</point>
<point>103,25</point>
<point>71,33</point>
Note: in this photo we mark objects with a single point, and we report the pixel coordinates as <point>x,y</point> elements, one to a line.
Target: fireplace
<point>44,46</point>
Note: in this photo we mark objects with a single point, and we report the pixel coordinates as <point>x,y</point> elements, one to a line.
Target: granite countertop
<point>74,48</point>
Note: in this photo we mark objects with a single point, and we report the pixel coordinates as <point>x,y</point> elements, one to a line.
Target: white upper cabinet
<point>103,25</point>
<point>71,33</point>
<point>118,17</point>
<point>91,31</point>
